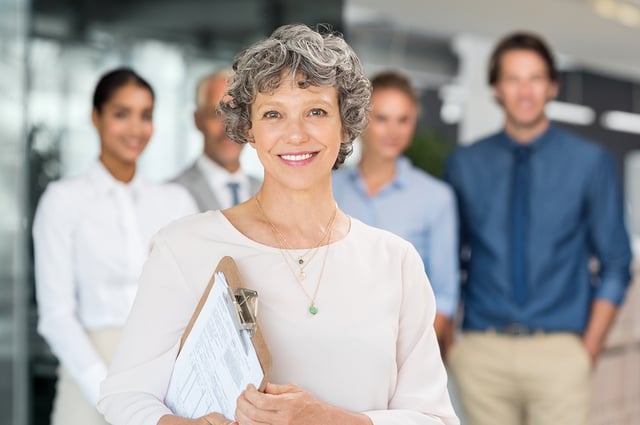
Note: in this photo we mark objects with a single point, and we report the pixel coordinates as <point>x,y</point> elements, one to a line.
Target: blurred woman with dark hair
<point>91,236</point>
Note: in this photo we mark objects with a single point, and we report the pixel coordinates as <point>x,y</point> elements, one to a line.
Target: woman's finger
<point>243,419</point>
<point>252,406</point>
<point>216,419</point>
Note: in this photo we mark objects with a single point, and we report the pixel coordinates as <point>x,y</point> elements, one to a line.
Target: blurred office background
<point>53,51</point>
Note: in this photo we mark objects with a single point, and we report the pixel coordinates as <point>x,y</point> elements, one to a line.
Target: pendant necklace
<point>300,260</point>
<point>313,308</point>
<point>283,246</point>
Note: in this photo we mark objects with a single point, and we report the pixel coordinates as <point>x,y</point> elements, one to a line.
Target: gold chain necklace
<point>313,308</point>
<point>300,261</point>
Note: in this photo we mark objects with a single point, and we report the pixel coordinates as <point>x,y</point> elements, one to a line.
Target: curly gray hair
<point>323,58</point>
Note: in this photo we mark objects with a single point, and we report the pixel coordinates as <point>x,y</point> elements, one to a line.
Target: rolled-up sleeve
<point>443,262</point>
<point>607,232</point>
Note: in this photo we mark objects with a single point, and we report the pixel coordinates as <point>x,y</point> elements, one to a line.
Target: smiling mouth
<point>298,156</point>
<point>134,144</point>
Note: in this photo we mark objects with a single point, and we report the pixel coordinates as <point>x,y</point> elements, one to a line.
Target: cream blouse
<point>371,348</point>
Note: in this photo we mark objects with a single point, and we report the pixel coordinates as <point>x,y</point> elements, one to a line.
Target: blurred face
<point>297,134</point>
<point>217,146</point>
<point>125,125</point>
<point>392,123</point>
<point>524,88</point>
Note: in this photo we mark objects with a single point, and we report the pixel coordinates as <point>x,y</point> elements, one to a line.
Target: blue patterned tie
<point>520,222</point>
<point>235,196</point>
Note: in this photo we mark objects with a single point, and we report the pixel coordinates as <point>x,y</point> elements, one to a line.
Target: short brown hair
<point>394,80</point>
<point>521,41</point>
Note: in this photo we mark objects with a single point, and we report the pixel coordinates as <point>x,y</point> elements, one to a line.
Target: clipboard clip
<point>245,302</point>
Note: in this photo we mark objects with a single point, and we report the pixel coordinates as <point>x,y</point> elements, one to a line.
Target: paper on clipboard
<point>217,358</point>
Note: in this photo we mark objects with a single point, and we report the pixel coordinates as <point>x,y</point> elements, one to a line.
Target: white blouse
<point>91,237</point>
<point>371,348</point>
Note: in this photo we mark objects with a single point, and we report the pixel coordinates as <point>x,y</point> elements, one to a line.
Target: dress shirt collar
<point>105,181</point>
<point>216,173</point>
<point>217,179</point>
<point>535,144</point>
<point>403,172</point>
<point>401,178</point>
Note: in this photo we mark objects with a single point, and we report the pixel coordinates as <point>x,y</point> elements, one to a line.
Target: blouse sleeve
<point>53,232</point>
<point>134,390</point>
<point>420,396</point>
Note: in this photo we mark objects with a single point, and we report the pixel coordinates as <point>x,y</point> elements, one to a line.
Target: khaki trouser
<point>542,379</point>
<point>71,406</point>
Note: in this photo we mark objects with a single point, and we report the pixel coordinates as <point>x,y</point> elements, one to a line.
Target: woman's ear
<point>345,138</point>
<point>250,138</point>
<point>95,118</point>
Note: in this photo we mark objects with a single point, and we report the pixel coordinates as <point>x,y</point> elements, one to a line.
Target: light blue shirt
<point>418,208</point>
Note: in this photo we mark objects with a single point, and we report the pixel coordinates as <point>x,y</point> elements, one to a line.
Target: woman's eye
<point>121,114</point>
<point>271,114</point>
<point>317,112</point>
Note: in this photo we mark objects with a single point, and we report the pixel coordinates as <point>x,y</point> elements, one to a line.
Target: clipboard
<point>245,313</point>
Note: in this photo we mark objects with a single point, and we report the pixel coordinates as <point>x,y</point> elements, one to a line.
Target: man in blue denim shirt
<point>536,203</point>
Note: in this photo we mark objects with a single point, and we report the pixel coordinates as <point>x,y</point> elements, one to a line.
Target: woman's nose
<point>296,130</point>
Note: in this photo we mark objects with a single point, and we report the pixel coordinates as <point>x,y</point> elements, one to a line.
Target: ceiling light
<point>628,15</point>
<point>451,113</point>
<point>621,121</point>
<point>625,12</point>
<point>570,113</point>
<point>606,8</point>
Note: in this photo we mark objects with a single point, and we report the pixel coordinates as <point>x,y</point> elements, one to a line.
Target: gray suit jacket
<point>195,182</point>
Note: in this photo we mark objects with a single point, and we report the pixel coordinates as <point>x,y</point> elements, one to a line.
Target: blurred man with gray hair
<point>216,180</point>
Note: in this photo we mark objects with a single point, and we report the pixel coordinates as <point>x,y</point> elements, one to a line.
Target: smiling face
<point>391,126</point>
<point>125,125</point>
<point>297,134</point>
<point>523,88</point>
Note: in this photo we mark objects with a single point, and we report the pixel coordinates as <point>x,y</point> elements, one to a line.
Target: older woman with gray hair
<point>346,309</point>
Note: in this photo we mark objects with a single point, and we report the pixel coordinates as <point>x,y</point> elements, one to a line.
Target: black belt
<point>516,329</point>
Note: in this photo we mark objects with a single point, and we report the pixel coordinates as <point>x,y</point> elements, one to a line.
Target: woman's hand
<point>210,419</point>
<point>214,419</point>
<point>290,405</point>
<point>280,404</point>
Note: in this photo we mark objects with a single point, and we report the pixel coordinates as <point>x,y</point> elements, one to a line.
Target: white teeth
<point>300,157</point>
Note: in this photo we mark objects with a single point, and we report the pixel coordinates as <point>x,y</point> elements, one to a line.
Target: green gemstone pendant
<point>313,309</point>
